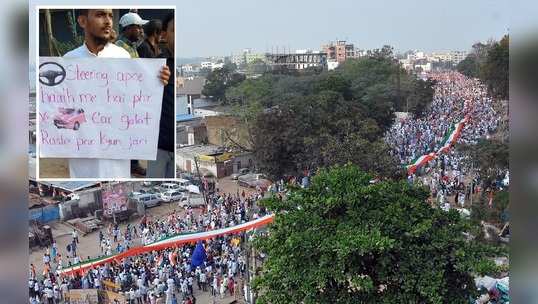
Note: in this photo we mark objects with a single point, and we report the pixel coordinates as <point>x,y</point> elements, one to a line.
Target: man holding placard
<point>98,36</point>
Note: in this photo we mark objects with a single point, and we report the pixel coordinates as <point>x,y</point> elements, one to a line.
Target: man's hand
<point>165,75</point>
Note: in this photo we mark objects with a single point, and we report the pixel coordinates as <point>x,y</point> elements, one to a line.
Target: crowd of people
<point>168,274</point>
<point>456,97</point>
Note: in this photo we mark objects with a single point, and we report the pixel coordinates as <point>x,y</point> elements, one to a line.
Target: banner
<point>83,296</point>
<point>99,107</point>
<point>115,198</point>
<point>110,297</point>
<point>168,243</point>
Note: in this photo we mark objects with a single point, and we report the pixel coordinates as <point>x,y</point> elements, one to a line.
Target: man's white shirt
<point>99,167</point>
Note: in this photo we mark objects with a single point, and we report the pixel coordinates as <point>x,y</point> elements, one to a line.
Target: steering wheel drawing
<point>51,74</point>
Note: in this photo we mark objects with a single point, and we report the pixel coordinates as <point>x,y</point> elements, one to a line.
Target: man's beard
<point>103,40</point>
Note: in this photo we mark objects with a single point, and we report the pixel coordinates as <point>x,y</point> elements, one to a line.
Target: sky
<point>212,28</point>
<point>219,28</point>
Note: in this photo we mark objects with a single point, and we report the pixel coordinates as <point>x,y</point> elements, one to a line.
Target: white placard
<point>99,107</point>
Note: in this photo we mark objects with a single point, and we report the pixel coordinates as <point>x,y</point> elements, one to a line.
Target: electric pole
<point>200,179</point>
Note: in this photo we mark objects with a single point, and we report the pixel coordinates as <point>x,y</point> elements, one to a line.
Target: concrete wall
<point>181,163</point>
<point>217,126</point>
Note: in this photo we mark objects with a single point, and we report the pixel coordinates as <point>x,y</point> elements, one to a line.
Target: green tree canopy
<point>347,240</point>
<point>490,63</point>
<point>469,66</point>
<point>495,69</point>
<point>310,120</point>
<point>219,80</point>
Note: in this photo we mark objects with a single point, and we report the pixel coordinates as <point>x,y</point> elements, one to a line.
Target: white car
<point>171,196</point>
<point>192,201</point>
<point>147,183</point>
<point>241,172</point>
<point>165,187</point>
<point>182,183</point>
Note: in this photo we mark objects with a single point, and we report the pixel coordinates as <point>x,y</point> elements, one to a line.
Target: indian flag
<point>450,139</point>
<point>168,243</point>
<point>420,161</point>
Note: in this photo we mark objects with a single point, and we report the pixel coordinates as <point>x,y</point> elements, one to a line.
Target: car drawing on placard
<point>69,118</point>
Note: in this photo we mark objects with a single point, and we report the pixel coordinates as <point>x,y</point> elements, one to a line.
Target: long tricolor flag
<point>452,136</point>
<point>168,243</point>
<point>450,139</point>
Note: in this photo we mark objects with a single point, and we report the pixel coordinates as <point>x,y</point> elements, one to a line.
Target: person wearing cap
<point>130,40</point>
<point>98,37</point>
<point>131,31</point>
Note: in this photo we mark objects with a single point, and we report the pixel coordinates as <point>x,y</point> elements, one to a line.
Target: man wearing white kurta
<point>98,34</point>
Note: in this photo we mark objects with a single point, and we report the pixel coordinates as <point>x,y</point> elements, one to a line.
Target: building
<point>238,59</point>
<point>206,65</point>
<point>332,64</point>
<point>211,159</point>
<point>452,56</point>
<point>279,61</point>
<point>187,91</point>
<point>211,110</point>
<point>339,51</point>
<point>458,56</point>
<point>190,131</point>
<point>253,57</point>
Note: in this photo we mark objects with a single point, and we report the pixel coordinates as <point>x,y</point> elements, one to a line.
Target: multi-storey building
<point>339,51</point>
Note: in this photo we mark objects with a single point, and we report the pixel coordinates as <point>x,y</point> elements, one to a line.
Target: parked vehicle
<point>69,118</point>
<point>191,201</point>
<point>149,200</point>
<point>171,196</point>
<point>140,192</point>
<point>254,181</point>
<point>183,183</point>
<point>164,187</point>
<point>241,172</point>
<point>147,183</point>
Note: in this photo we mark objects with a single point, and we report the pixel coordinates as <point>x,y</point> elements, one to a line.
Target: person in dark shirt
<point>149,48</point>
<point>164,165</point>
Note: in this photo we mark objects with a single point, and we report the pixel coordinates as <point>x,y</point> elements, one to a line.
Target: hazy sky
<point>208,28</point>
<point>216,27</point>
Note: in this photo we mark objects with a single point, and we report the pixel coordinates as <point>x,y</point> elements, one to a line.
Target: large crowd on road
<point>165,274</point>
<point>455,98</point>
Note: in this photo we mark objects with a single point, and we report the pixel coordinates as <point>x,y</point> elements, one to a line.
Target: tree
<point>257,66</point>
<point>219,80</point>
<point>497,213</point>
<point>347,240</point>
<point>469,66</point>
<point>419,97</point>
<point>314,120</point>
<point>495,69</point>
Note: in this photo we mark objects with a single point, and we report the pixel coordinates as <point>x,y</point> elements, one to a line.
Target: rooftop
<point>197,150</point>
<point>71,186</point>
<point>191,86</point>
<point>184,117</point>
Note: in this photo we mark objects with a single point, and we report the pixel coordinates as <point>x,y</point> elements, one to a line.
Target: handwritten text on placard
<point>99,107</point>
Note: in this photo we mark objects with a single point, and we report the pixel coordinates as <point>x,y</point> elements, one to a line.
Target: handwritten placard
<point>99,107</point>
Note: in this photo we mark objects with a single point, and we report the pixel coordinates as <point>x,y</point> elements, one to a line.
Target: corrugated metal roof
<point>71,185</point>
